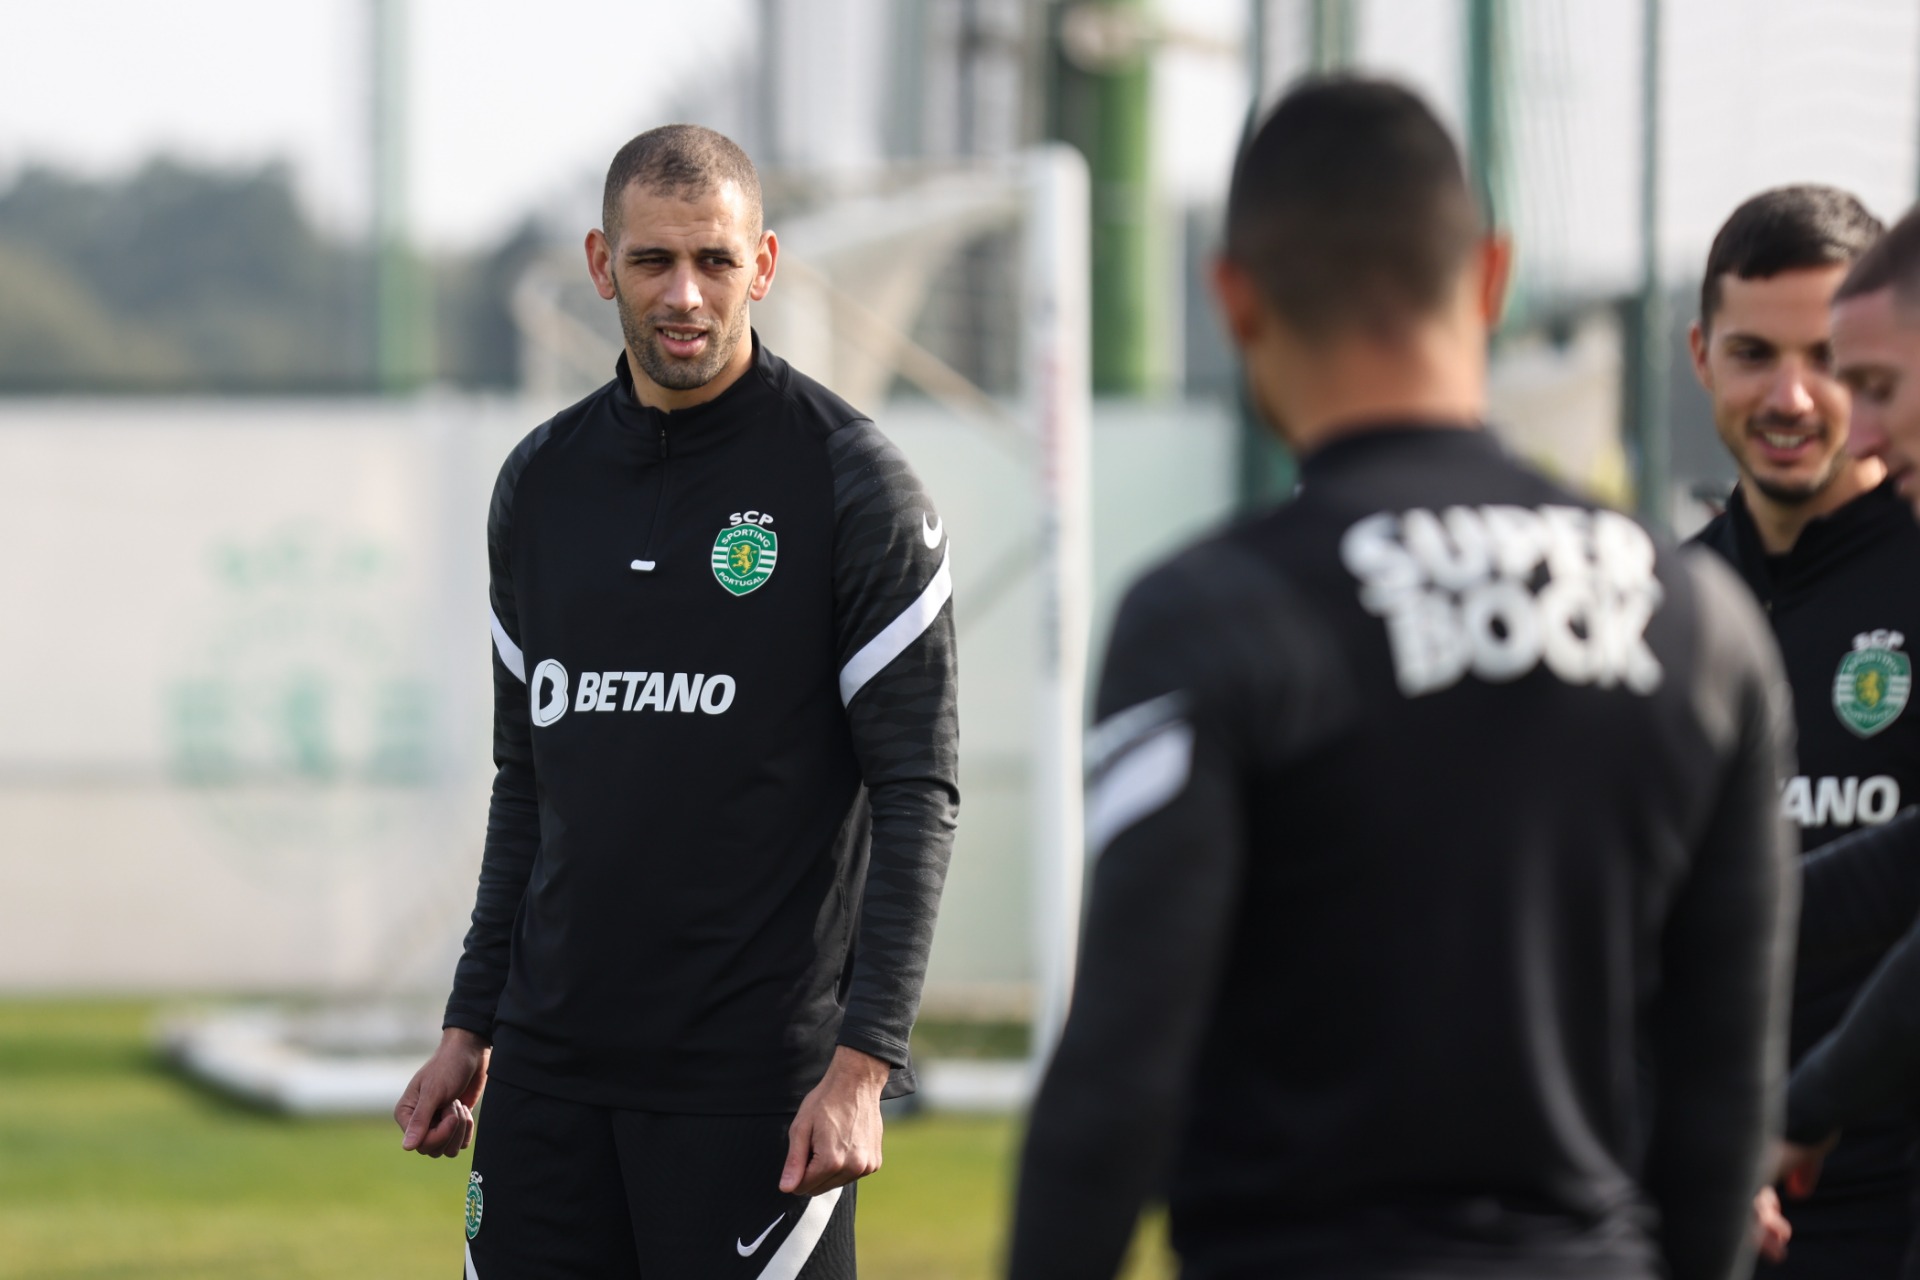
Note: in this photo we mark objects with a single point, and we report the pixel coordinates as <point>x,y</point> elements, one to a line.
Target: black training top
<point>1843,603</point>
<point>1862,894</point>
<point>723,669</point>
<point>1426,808</point>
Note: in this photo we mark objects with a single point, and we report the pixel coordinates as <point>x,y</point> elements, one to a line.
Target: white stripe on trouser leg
<point>794,1251</point>
<point>472,1274</point>
<point>509,652</point>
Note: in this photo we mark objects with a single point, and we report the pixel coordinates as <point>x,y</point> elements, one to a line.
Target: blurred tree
<point>185,278</point>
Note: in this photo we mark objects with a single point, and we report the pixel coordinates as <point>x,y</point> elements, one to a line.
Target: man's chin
<point>1794,488</point>
<point>676,375</point>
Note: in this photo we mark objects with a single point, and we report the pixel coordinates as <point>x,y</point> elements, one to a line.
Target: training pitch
<point>112,1165</point>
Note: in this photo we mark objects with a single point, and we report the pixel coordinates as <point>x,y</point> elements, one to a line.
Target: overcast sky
<point>508,98</point>
<point>512,102</point>
<point>517,105</point>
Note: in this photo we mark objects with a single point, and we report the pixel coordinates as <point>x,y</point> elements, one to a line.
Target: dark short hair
<point>1350,208</point>
<point>685,160</point>
<point>1893,260</point>
<point>1786,229</point>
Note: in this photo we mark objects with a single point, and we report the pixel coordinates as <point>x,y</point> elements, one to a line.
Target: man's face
<point>1767,364</point>
<point>681,272</point>
<point>1876,350</point>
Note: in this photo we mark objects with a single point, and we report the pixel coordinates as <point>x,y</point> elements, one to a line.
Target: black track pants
<point>563,1190</point>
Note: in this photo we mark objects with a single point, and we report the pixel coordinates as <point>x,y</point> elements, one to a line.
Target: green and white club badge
<point>1871,688</point>
<point>744,557</point>
<point>476,1205</point>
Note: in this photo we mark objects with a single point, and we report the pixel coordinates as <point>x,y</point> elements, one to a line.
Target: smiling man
<point>1824,541</point>
<point>724,726</point>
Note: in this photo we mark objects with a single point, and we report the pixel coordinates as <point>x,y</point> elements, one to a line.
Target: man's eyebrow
<point>1740,335</point>
<point>729,252</point>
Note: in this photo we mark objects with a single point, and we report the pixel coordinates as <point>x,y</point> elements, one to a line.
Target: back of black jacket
<point>1428,804</point>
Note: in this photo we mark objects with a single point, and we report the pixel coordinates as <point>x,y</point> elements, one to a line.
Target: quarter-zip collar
<point>1825,542</point>
<point>658,433</point>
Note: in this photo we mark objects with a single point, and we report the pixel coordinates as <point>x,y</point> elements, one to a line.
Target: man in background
<point>724,724</point>
<point>1826,545</point>
<point>1867,888</point>
<point>1426,807</point>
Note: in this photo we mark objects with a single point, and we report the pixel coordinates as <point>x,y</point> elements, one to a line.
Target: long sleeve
<point>1165,801</point>
<point>1860,894</point>
<point>1870,1063</point>
<point>1195,660</point>
<point>513,816</point>
<point>1718,1029</point>
<point>892,589</point>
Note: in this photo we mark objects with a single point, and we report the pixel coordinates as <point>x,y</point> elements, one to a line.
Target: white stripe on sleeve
<point>1139,783</point>
<point>794,1251</point>
<point>898,634</point>
<point>509,652</point>
<point>471,1273</point>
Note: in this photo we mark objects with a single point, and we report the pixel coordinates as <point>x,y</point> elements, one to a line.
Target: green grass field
<point>113,1166</point>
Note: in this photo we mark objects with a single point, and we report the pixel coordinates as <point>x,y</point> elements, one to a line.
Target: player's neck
<point>1360,387</point>
<point>1780,524</point>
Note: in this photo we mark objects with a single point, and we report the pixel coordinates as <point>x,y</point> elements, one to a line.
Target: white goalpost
<point>1060,387</point>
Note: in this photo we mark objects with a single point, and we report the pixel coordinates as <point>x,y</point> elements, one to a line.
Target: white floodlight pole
<point>1059,378</point>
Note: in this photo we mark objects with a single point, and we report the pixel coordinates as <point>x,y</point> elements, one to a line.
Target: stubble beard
<point>678,375</point>
<point>1798,493</point>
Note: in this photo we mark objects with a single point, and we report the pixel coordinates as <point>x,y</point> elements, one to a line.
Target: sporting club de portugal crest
<point>1870,689</point>
<point>476,1205</point>
<point>744,557</point>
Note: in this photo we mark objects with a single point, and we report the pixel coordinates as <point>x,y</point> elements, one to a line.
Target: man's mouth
<point>1786,445</point>
<point>680,341</point>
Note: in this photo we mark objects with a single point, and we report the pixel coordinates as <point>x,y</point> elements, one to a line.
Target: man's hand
<point>835,1138</point>
<point>1771,1230</point>
<point>435,1114</point>
<point>1799,1167</point>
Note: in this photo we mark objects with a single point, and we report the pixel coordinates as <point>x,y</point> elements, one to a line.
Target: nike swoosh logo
<point>932,532</point>
<point>748,1250</point>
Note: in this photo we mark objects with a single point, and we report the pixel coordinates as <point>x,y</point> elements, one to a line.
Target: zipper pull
<point>663,442</point>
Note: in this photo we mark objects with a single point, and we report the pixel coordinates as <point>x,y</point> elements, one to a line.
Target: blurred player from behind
<point>1424,807</point>
<point>1827,546</point>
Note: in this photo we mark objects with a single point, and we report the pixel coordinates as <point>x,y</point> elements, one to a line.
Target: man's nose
<point>1789,396</point>
<point>683,291</point>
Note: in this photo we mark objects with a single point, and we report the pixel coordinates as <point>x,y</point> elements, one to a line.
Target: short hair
<point>1786,229</point>
<point>1894,259</point>
<point>1350,208</point>
<point>684,160</point>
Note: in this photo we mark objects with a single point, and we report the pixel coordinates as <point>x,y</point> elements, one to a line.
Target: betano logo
<point>643,691</point>
<point>1840,802</point>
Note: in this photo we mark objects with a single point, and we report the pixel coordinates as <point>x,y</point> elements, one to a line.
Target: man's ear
<point>600,262</point>
<point>1495,256</point>
<point>765,259</point>
<point>1239,299</point>
<point>1697,347</point>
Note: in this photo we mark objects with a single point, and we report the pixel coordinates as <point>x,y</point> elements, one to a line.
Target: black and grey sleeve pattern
<point>1167,763</point>
<point>892,588</point>
<point>513,816</point>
